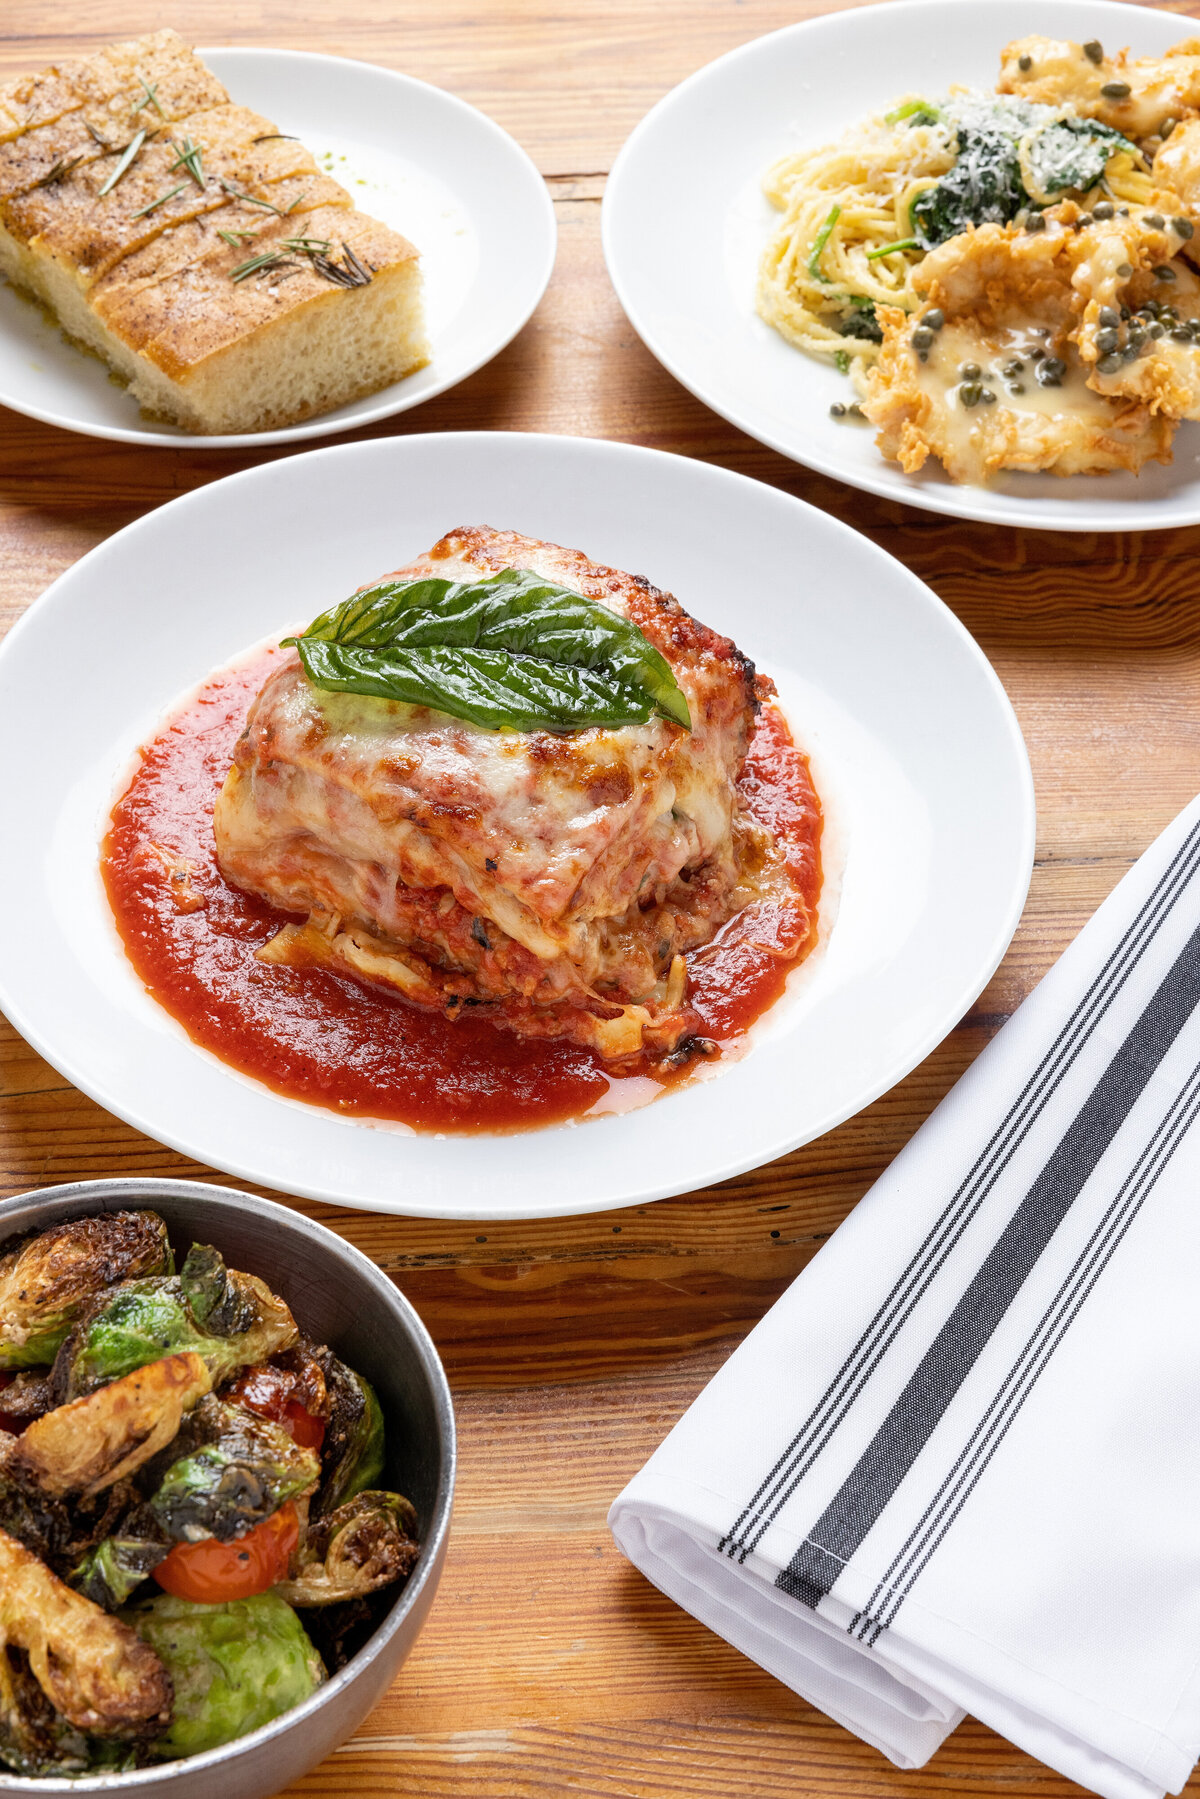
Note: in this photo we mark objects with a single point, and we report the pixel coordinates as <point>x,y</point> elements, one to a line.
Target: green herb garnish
<point>155,204</point>
<point>59,172</point>
<point>512,651</point>
<point>259,265</point>
<point>188,157</point>
<point>236,193</point>
<point>127,155</point>
<point>150,89</point>
<point>841,361</point>
<point>819,242</point>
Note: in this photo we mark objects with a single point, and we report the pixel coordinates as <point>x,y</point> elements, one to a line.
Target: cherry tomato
<point>308,1432</point>
<point>268,1391</point>
<point>210,1572</point>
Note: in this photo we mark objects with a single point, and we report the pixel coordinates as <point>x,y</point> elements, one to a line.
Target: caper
<point>1180,334</point>
<point>1115,90</point>
<point>970,371</point>
<point>1168,315</point>
<point>970,393</point>
<point>1183,228</point>
<point>1107,340</point>
<point>1155,221</point>
<point>1051,372</point>
<point>1103,209</point>
<point>1013,368</point>
<point>935,319</point>
<point>1036,355</point>
<point>1016,387</point>
<point>1156,330</point>
<point>1083,221</point>
<point>1108,365</point>
<point>1108,316</point>
<point>922,337</point>
<point>1131,352</point>
<point>837,410</point>
<point>1123,212</point>
<point>1094,50</point>
<point>1125,313</point>
<point>1163,273</point>
<point>1125,270</point>
<point>1166,128</point>
<point>855,411</point>
<point>1025,63</point>
<point>1036,222</point>
<point>988,397</point>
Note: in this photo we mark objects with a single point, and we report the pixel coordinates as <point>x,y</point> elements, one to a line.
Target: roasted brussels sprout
<point>95,1671</point>
<point>226,1471</point>
<point>362,1546</point>
<point>34,1740</point>
<point>237,1471</point>
<point>143,1320</point>
<point>92,1443</point>
<point>352,1454</point>
<point>47,1282</point>
<point>234,1666</point>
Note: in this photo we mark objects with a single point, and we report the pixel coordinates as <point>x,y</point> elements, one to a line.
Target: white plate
<point>685,222</point>
<point>420,160</point>
<point>915,750</point>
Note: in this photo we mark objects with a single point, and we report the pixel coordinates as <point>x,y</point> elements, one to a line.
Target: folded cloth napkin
<point>957,1466</point>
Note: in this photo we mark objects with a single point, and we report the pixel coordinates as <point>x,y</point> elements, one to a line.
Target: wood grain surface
<point>548,1665</point>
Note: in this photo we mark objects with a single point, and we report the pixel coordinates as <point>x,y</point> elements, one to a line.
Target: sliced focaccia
<point>172,231</point>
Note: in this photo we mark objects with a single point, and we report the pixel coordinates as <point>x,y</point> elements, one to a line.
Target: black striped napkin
<point>957,1467</point>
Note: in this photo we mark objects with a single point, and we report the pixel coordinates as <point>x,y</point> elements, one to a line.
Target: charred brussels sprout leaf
<point>234,1666</point>
<point>364,1545</point>
<point>109,1574</point>
<point>240,1470</point>
<point>145,1320</point>
<point>48,1282</point>
<point>352,1452</point>
<point>225,1472</point>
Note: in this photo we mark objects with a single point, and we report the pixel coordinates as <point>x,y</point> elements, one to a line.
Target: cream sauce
<point>960,344</point>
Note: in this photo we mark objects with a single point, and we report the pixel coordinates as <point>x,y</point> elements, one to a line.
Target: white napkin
<point>957,1467</point>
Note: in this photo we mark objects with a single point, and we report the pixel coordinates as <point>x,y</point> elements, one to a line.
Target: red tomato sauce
<point>321,1037</point>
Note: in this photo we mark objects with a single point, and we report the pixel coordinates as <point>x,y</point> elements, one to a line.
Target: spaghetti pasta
<point>854,226</point>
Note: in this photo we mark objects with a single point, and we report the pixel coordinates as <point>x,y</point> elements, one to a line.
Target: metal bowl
<point>339,1298</point>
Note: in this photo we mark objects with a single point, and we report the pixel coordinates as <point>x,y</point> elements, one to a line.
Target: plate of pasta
<point>946,254</point>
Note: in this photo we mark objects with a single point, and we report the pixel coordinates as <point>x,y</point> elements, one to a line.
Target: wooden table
<point>549,1666</point>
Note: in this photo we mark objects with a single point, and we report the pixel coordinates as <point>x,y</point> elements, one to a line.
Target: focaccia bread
<point>195,247</point>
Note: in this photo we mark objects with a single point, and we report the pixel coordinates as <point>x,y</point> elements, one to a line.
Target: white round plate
<point>914,747</point>
<point>423,162</point>
<point>685,222</point>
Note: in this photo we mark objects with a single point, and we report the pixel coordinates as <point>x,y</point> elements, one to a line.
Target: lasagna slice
<point>555,880</point>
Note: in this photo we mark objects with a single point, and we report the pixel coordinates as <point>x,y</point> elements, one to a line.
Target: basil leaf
<point>510,650</point>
